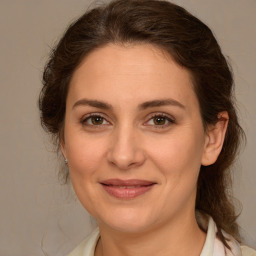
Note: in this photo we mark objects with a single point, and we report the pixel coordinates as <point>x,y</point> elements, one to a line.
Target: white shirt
<point>212,247</point>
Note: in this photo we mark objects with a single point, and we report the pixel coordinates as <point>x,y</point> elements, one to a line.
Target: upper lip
<point>129,182</point>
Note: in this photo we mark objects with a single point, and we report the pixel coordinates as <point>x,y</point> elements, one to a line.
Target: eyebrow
<point>159,103</point>
<point>143,106</point>
<point>93,103</point>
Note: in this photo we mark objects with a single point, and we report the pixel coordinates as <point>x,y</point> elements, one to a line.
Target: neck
<point>180,237</point>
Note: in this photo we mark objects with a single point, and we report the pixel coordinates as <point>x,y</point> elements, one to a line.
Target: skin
<point>127,142</point>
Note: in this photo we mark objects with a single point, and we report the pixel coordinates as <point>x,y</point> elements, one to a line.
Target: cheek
<point>179,156</point>
<point>85,154</point>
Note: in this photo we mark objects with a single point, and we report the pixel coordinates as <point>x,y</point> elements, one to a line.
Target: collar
<point>213,246</point>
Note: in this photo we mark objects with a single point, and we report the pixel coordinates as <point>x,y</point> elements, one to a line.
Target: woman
<point>138,97</point>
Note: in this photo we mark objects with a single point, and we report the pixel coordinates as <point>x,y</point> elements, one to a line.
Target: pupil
<point>97,120</point>
<point>159,120</point>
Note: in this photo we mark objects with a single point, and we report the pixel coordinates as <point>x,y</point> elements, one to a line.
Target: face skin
<point>132,138</point>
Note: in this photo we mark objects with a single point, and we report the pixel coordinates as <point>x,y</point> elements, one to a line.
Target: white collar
<point>212,247</point>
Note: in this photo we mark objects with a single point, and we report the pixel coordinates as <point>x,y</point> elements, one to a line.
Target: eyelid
<point>88,116</point>
<point>168,117</point>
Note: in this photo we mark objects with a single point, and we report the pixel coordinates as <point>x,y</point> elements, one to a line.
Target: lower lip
<point>127,193</point>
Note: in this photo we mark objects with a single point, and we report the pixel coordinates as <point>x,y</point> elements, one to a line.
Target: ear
<point>215,136</point>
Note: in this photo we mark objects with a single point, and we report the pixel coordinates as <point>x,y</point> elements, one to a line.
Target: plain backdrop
<point>38,215</point>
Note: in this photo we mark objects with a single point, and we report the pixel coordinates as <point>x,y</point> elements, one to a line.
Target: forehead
<point>125,71</point>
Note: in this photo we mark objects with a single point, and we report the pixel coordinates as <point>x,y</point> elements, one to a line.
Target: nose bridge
<point>125,151</point>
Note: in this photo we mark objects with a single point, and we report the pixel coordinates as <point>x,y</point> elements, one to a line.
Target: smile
<point>126,189</point>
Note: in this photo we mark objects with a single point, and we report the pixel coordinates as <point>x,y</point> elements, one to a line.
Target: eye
<point>160,121</point>
<point>94,120</point>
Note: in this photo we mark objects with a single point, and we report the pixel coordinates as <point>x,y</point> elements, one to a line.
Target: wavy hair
<point>192,45</point>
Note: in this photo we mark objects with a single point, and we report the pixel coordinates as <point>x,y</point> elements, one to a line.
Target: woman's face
<point>133,138</point>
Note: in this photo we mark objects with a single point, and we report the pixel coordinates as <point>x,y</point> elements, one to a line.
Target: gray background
<point>38,216</point>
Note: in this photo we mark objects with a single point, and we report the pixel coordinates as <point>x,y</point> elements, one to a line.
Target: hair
<point>192,45</point>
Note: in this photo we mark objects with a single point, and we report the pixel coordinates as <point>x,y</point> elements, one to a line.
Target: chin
<point>134,227</point>
<point>128,221</point>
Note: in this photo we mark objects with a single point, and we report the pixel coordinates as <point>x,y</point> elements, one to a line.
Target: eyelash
<point>85,119</point>
<point>166,117</point>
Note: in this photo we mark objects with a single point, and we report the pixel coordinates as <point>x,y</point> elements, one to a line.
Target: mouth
<point>126,189</point>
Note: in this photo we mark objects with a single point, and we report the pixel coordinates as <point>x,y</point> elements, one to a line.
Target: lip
<point>126,189</point>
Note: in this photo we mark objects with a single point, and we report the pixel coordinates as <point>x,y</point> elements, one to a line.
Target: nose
<point>126,150</point>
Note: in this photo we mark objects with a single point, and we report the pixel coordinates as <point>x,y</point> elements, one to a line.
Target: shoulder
<point>247,251</point>
<point>87,246</point>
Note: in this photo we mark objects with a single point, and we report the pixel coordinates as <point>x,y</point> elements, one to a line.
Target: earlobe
<point>215,136</point>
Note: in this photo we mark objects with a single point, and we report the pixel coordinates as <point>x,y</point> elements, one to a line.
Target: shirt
<point>212,247</point>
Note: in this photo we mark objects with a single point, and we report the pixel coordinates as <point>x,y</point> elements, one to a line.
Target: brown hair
<point>193,46</point>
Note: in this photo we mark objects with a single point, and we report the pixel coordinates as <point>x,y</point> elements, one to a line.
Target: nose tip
<point>125,154</point>
<point>125,161</point>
